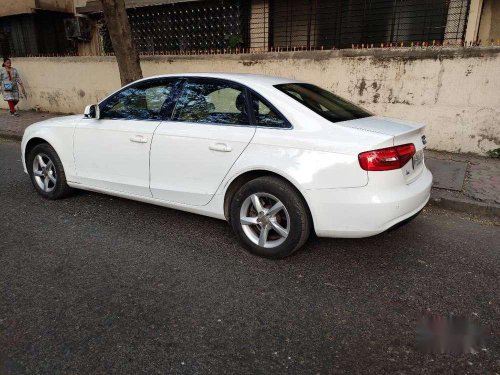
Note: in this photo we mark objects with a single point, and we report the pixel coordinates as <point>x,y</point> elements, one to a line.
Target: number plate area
<point>418,158</point>
<point>413,168</point>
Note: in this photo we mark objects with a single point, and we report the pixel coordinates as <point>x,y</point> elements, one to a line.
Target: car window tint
<point>265,115</point>
<point>143,101</point>
<point>212,101</point>
<point>326,104</point>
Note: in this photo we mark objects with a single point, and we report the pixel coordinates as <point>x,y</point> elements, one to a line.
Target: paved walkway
<point>14,126</point>
<point>478,192</point>
<point>482,177</point>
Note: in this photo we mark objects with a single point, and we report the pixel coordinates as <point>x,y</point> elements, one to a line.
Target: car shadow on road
<point>391,248</point>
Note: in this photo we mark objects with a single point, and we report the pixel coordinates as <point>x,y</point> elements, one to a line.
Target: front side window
<point>143,101</point>
<point>324,103</point>
<point>212,102</point>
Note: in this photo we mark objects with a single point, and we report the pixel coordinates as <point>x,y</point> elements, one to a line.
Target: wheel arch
<point>60,138</point>
<point>30,145</point>
<point>241,179</point>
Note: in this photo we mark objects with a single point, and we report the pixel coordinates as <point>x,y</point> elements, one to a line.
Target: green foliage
<point>233,41</point>
<point>494,153</point>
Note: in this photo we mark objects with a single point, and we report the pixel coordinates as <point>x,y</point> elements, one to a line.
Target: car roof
<point>243,78</point>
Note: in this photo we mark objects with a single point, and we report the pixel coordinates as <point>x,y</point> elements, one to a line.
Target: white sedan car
<point>276,158</point>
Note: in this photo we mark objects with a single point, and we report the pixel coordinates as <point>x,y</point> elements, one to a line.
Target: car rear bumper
<point>369,210</point>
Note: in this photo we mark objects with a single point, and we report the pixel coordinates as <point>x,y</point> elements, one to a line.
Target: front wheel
<point>269,217</point>
<point>46,172</point>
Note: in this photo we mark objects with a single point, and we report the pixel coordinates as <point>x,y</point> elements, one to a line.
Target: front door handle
<point>221,147</point>
<point>138,139</point>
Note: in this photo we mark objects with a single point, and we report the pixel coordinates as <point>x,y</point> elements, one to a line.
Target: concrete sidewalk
<point>462,182</point>
<point>13,127</point>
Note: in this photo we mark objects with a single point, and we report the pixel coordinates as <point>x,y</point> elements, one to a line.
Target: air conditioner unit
<point>77,28</point>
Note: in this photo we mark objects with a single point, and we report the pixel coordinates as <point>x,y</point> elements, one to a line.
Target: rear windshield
<point>324,103</point>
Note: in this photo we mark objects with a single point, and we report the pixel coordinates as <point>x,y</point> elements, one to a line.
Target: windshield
<point>324,103</point>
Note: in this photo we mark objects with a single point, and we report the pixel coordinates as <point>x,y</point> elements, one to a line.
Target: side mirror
<point>91,111</point>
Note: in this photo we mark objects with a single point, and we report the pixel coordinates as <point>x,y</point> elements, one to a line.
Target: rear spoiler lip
<point>403,137</point>
<point>359,124</point>
<point>399,121</point>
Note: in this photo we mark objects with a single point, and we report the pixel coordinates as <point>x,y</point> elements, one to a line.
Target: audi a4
<point>277,158</point>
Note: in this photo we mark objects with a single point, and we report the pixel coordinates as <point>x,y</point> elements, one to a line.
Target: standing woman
<point>9,81</point>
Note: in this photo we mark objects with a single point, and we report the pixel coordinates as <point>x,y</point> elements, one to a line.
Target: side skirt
<point>213,209</point>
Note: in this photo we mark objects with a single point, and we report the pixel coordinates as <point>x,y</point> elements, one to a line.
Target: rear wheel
<point>46,172</point>
<point>269,217</point>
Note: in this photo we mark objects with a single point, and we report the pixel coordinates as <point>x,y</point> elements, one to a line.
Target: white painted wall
<point>456,92</point>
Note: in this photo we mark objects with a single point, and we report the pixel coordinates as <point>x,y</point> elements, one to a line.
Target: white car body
<point>190,166</point>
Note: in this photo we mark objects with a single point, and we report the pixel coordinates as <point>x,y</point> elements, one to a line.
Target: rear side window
<point>324,103</point>
<point>266,115</point>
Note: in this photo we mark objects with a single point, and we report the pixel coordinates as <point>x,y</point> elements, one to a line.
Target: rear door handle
<point>138,139</point>
<point>221,147</point>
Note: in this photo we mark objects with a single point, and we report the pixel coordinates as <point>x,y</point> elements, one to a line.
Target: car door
<point>208,131</point>
<point>112,152</point>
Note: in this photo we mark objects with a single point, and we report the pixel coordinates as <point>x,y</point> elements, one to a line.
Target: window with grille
<point>342,23</point>
<point>191,26</point>
<point>287,24</point>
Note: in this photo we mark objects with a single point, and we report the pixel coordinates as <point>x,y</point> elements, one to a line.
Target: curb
<point>12,136</point>
<point>469,206</point>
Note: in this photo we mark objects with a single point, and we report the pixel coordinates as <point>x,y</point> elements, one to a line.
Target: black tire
<point>297,221</point>
<point>58,190</point>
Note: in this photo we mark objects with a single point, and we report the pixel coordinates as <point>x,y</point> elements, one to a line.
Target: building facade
<point>62,27</point>
<point>35,27</point>
<point>269,25</point>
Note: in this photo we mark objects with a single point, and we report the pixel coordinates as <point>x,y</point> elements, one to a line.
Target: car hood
<point>59,121</point>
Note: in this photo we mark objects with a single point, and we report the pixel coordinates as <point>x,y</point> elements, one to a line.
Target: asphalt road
<point>94,284</point>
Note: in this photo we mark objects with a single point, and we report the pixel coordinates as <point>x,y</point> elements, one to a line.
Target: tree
<point>120,34</point>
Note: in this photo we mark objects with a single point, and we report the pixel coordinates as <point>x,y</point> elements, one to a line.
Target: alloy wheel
<point>44,172</point>
<point>265,220</point>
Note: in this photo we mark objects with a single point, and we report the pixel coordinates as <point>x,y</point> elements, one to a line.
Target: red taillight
<point>386,159</point>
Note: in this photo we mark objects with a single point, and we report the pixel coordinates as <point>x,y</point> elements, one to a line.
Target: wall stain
<point>488,137</point>
<point>249,63</point>
<point>361,86</point>
<point>440,81</point>
<point>468,71</point>
<point>396,100</point>
<point>52,97</point>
